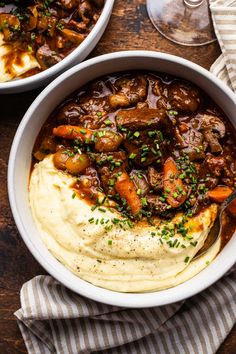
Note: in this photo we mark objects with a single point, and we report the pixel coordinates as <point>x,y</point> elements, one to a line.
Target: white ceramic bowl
<point>78,55</point>
<point>20,160</point>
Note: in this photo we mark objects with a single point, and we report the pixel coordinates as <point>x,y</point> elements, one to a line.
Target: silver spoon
<point>216,230</point>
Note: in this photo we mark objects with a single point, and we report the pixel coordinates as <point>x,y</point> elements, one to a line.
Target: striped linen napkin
<point>224,21</point>
<point>52,319</point>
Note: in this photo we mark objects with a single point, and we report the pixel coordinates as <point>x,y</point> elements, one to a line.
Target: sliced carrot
<point>73,132</point>
<point>173,185</point>
<point>219,193</point>
<point>126,189</point>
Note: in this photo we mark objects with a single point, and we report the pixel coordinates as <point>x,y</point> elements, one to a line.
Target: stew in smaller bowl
<point>37,34</point>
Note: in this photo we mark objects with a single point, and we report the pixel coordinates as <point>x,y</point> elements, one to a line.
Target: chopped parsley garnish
<point>102,210</point>
<point>132,156</point>
<point>111,182</point>
<point>136,134</point>
<point>108,122</point>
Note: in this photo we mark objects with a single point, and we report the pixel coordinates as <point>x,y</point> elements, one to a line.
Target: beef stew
<point>153,143</point>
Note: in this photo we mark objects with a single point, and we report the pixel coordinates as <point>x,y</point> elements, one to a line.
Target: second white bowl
<point>78,55</point>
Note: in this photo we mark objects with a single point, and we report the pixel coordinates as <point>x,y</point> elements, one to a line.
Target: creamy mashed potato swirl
<point>125,259</point>
<point>21,62</point>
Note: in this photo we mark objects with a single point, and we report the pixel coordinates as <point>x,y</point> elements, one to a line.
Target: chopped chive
<point>132,156</point>
<point>108,122</point>
<point>111,182</point>
<point>102,210</point>
<point>151,133</point>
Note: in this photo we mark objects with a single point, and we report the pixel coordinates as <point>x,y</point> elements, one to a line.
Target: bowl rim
<point>67,61</point>
<point>132,300</point>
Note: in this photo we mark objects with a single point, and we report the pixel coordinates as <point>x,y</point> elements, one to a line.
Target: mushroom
<point>33,18</point>
<point>213,129</point>
<point>108,142</point>
<point>184,97</point>
<point>85,11</point>
<point>72,36</point>
<point>9,24</point>
<point>128,90</point>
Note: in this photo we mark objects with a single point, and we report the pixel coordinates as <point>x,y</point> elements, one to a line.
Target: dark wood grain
<point>129,28</point>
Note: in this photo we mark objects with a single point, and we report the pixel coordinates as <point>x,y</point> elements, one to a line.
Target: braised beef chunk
<point>195,146</point>
<point>159,99</point>
<point>152,144</point>
<point>140,181</point>
<point>47,57</point>
<point>113,160</point>
<point>155,179</point>
<point>140,154</point>
<point>71,113</point>
<point>128,90</point>
<point>183,97</point>
<point>213,129</point>
<point>97,104</point>
<point>215,164</point>
<point>144,147</point>
<point>106,176</point>
<point>133,119</point>
<point>156,205</point>
<point>89,185</point>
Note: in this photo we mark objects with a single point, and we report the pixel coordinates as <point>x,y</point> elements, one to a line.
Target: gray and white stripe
<point>53,319</point>
<point>224,21</point>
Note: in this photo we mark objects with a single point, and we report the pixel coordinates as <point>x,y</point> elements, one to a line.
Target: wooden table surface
<point>129,28</point>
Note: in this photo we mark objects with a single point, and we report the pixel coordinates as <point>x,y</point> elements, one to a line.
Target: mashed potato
<point>103,249</point>
<point>17,68</point>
